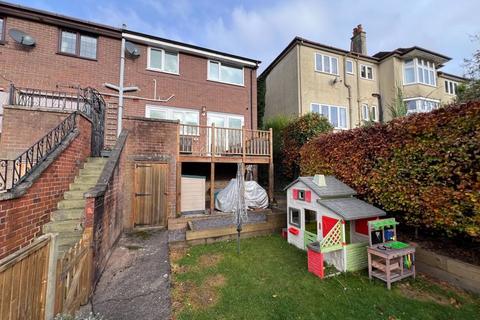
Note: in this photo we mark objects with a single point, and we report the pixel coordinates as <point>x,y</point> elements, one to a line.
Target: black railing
<point>57,100</point>
<point>13,172</point>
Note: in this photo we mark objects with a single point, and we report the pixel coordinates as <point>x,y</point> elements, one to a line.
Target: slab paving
<point>136,281</point>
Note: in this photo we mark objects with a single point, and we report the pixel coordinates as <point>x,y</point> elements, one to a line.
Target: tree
<point>470,91</point>
<point>398,107</point>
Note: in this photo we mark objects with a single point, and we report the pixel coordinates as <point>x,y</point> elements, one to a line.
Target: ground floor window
<point>336,115</point>
<point>294,216</point>
<point>186,116</point>
<point>311,221</point>
<point>415,105</point>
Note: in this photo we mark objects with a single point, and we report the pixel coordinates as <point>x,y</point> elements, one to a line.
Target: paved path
<point>136,281</point>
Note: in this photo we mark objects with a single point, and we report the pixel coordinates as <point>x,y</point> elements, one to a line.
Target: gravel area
<point>226,221</point>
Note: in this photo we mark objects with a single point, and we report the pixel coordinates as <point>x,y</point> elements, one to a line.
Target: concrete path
<point>136,281</point>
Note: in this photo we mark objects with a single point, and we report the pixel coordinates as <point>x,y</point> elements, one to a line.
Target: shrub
<point>424,168</point>
<point>296,134</point>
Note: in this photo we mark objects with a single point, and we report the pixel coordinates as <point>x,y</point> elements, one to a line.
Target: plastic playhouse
<point>388,259</point>
<point>326,219</point>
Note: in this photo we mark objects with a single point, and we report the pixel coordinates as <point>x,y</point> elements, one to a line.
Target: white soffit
<point>165,44</point>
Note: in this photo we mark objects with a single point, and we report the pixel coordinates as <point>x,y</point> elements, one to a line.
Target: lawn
<point>269,280</point>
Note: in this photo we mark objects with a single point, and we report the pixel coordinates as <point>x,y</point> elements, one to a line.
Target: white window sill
<point>419,83</point>
<point>229,83</point>
<point>373,79</point>
<point>329,73</point>
<point>163,71</point>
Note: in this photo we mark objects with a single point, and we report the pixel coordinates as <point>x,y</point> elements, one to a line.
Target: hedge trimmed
<point>423,168</point>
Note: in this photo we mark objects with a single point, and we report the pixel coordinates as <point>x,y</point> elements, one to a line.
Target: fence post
<point>51,277</point>
<point>11,97</point>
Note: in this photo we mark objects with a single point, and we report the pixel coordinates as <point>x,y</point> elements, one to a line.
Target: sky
<point>262,29</point>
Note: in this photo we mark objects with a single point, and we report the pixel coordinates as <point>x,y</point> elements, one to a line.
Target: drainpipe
<point>359,111</point>
<point>349,89</point>
<point>120,88</point>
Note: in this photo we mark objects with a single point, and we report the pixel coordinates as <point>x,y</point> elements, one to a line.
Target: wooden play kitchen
<point>388,259</point>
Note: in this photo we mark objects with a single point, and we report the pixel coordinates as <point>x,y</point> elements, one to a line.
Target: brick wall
<point>23,127</point>
<point>153,141</point>
<point>22,217</point>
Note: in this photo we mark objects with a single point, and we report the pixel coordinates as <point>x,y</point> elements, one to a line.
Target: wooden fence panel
<point>23,281</point>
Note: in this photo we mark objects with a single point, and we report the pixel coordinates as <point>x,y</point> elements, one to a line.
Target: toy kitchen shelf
<point>388,260</point>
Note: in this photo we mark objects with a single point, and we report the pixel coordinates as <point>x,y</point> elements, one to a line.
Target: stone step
<point>68,226</point>
<point>71,204</point>
<point>97,160</point>
<point>73,195</point>
<point>67,214</point>
<point>80,186</point>
<point>92,180</point>
<point>95,169</point>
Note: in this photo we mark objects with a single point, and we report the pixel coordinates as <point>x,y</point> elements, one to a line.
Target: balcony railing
<point>208,141</point>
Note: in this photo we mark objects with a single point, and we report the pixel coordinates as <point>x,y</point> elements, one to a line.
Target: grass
<point>269,280</point>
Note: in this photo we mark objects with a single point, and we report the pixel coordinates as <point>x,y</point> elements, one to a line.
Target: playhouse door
<point>327,224</point>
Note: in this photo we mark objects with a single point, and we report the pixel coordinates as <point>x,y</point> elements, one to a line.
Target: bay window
<point>415,105</point>
<point>326,64</point>
<point>217,71</point>
<point>336,115</point>
<point>162,60</point>
<point>419,71</point>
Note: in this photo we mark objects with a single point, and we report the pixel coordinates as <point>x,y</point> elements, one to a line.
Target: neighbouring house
<point>324,209</point>
<point>350,87</point>
<point>184,111</point>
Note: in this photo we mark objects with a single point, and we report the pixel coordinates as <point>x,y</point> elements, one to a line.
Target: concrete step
<point>68,226</point>
<point>90,171</point>
<point>67,214</point>
<point>80,186</point>
<point>92,180</point>
<point>73,195</point>
<point>97,160</point>
<point>71,204</point>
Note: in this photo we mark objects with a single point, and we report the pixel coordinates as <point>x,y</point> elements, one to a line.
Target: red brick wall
<point>22,218</point>
<point>23,127</point>
<point>152,141</point>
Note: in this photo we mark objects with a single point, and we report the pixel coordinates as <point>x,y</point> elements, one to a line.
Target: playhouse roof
<point>351,208</point>
<point>333,188</point>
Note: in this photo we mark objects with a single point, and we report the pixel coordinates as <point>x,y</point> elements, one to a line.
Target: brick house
<point>185,110</point>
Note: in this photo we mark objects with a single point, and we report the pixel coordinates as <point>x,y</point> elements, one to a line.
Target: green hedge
<point>423,168</point>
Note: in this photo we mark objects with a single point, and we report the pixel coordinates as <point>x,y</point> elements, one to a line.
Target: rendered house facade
<point>350,86</point>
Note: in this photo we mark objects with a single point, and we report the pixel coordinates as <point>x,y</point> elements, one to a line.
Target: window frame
<point>78,35</point>
<point>150,107</point>
<point>3,31</point>
<point>451,85</point>
<point>323,56</point>
<point>365,107</point>
<point>227,117</point>
<point>163,51</point>
<point>290,211</point>
<point>427,65</point>
<point>353,68</point>
<point>220,64</point>
<point>422,100</point>
<point>320,105</point>
<point>366,72</point>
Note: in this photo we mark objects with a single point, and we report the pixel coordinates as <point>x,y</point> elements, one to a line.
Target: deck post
<point>270,168</point>
<point>178,204</point>
<point>212,187</point>
<point>244,147</point>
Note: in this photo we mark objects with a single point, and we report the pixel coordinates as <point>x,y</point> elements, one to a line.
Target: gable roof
<point>333,188</point>
<point>351,208</point>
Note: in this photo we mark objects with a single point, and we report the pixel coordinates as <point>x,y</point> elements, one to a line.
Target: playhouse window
<point>294,217</point>
<point>301,194</point>
<point>311,221</point>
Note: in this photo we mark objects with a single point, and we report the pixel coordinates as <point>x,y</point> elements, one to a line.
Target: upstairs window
<point>217,71</point>
<point>366,72</point>
<point>450,87</point>
<point>161,60</point>
<point>419,71</point>
<point>327,64</point>
<point>349,66</point>
<point>77,44</point>
<point>2,29</point>
<point>336,115</point>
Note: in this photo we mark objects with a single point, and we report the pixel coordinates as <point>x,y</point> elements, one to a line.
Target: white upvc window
<point>336,115</point>
<point>326,64</point>
<point>419,71</point>
<point>225,120</point>
<point>218,71</point>
<point>185,116</point>
<point>419,104</point>
<point>369,113</point>
<point>451,87</point>
<point>366,72</point>
<point>349,66</point>
<point>162,60</point>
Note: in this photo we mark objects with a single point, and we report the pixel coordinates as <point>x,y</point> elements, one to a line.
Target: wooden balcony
<point>199,143</point>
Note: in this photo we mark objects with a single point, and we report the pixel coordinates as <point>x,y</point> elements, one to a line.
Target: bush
<point>423,168</point>
<point>296,134</point>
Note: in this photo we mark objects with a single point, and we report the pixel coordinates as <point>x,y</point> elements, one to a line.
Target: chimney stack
<point>358,42</point>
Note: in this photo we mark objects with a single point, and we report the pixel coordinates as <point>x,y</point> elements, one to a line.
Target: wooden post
<point>212,187</point>
<point>243,144</point>
<point>212,143</point>
<point>270,168</point>
<point>51,277</point>
<point>178,203</point>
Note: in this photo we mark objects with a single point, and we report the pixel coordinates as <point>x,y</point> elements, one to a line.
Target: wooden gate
<point>150,207</point>
<point>23,281</point>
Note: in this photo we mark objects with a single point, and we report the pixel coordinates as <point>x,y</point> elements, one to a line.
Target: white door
<point>225,139</point>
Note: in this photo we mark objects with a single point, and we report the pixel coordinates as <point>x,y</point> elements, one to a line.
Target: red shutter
<point>295,194</point>
<point>308,196</point>
<point>327,224</point>
<point>361,225</point>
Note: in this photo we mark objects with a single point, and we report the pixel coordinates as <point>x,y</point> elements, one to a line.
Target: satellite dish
<point>22,37</point>
<point>132,49</point>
